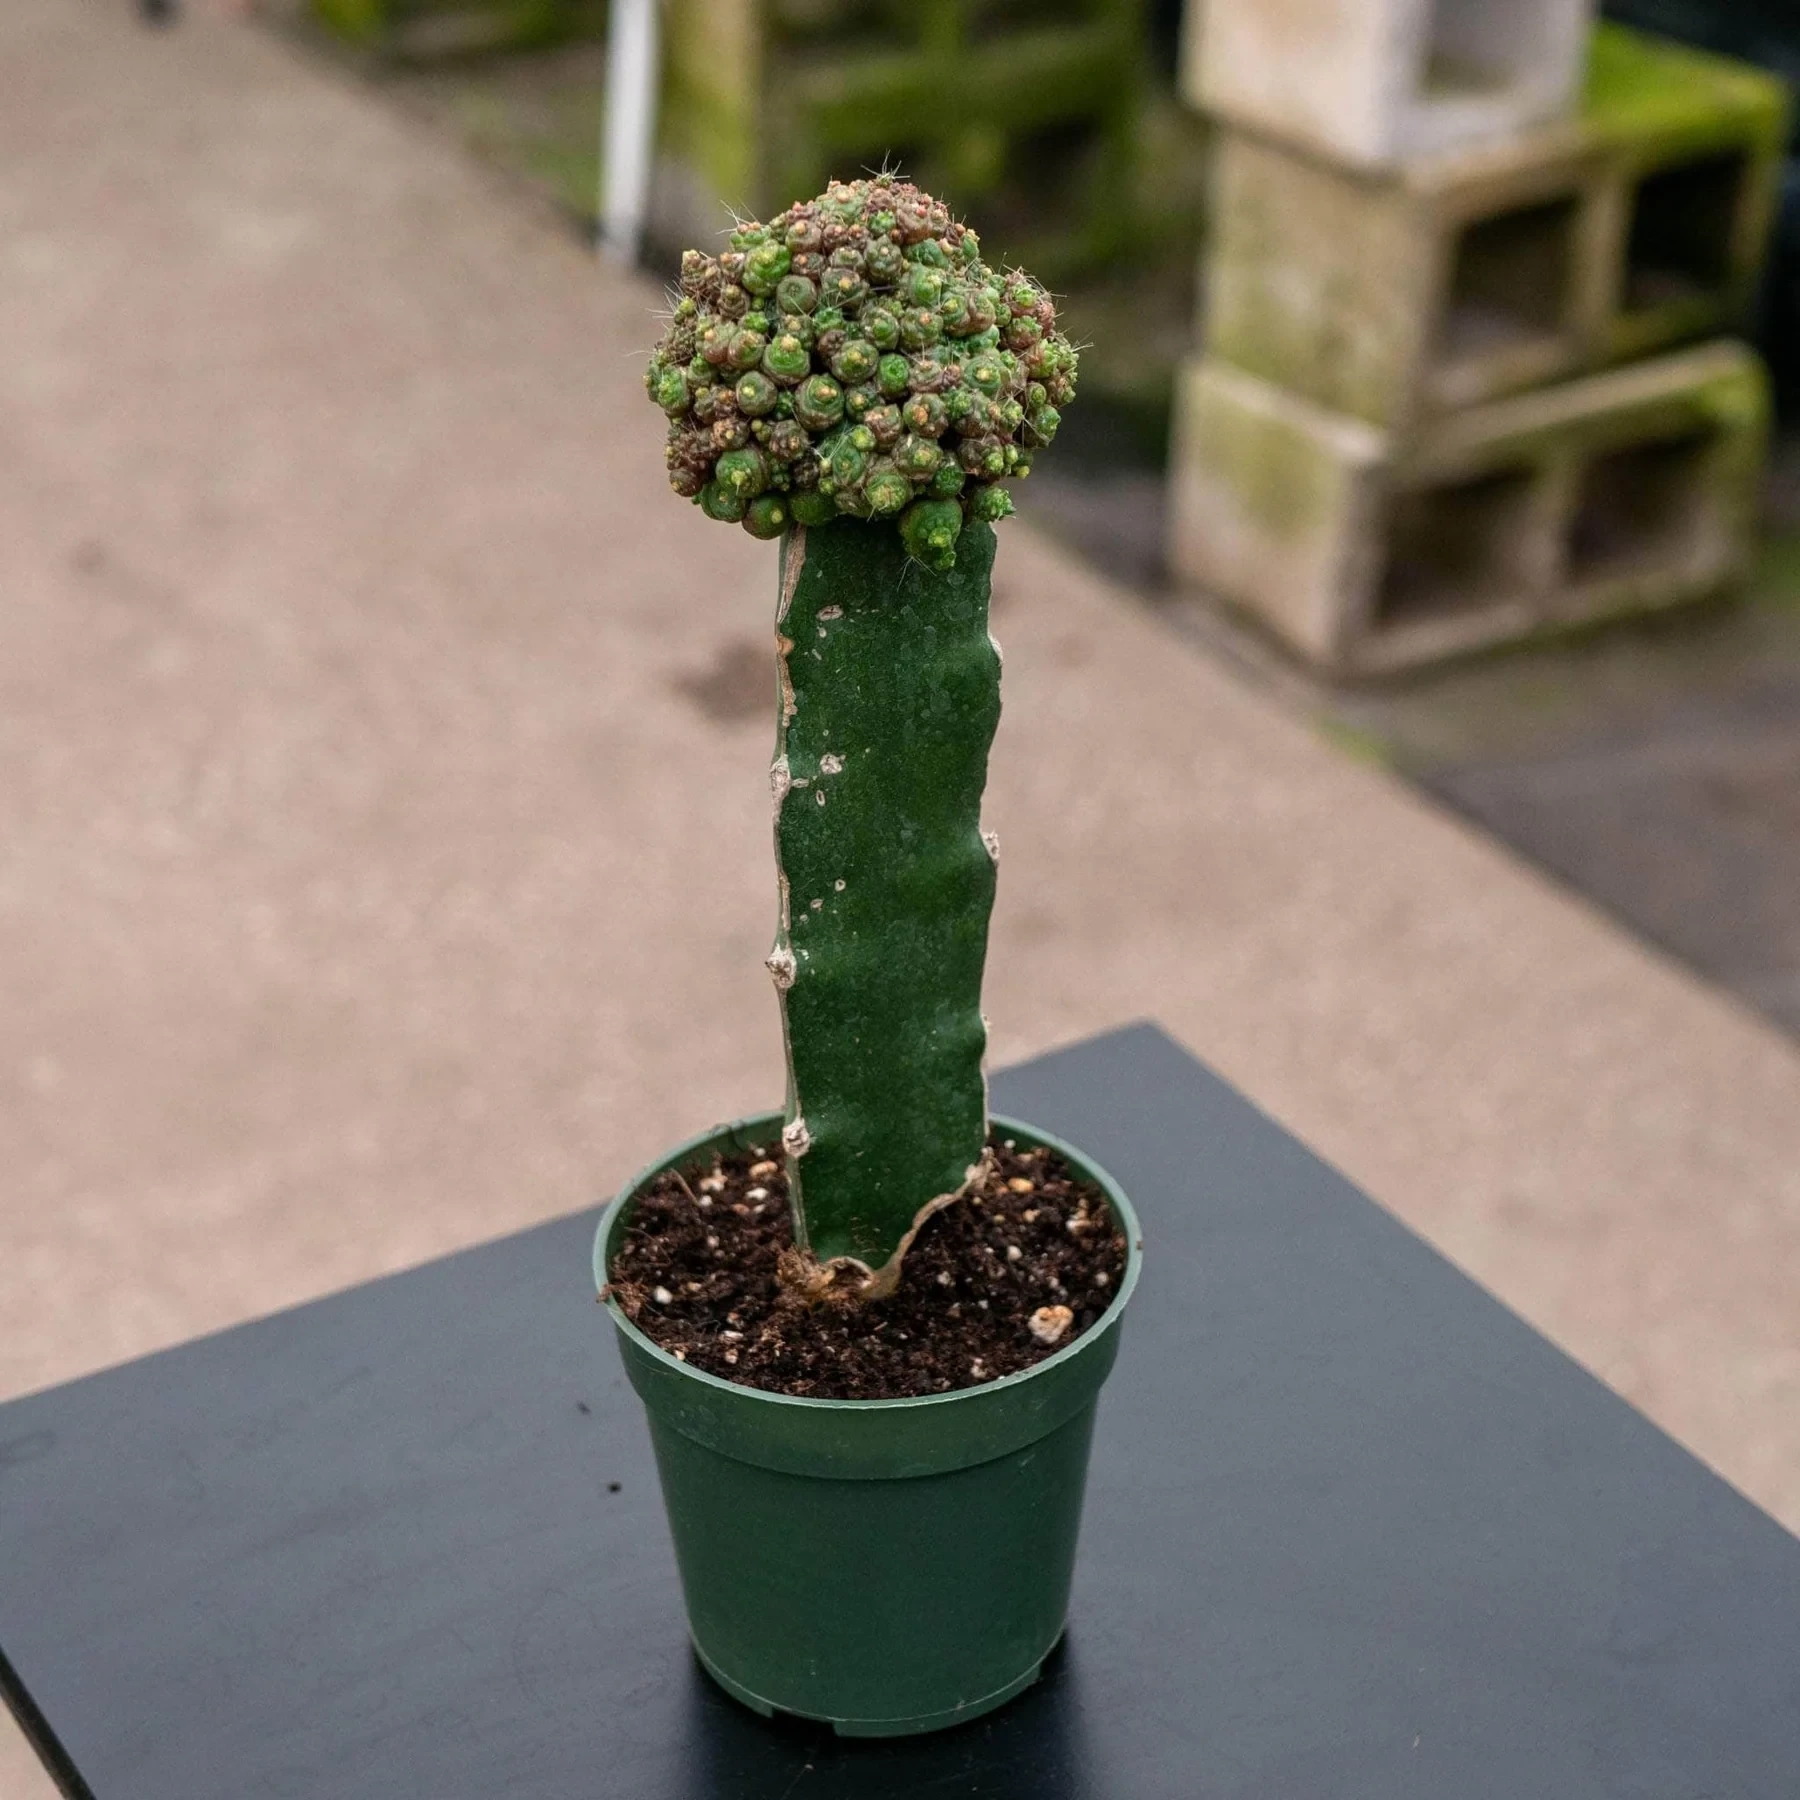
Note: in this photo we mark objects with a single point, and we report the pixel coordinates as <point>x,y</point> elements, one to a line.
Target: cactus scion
<point>867,294</point>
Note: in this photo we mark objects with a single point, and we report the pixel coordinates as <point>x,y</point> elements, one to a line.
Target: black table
<point>1355,1533</point>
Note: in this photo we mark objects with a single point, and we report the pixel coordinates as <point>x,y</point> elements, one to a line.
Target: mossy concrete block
<point>1461,277</point>
<point>1371,82</point>
<point>1274,502</point>
<point>1693,146</point>
<point>1389,299</point>
<point>1367,552</point>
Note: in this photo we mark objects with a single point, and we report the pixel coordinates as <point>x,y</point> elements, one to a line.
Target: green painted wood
<point>767,100</point>
<point>889,699</point>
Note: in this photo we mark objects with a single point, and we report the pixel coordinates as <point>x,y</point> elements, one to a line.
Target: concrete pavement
<point>383,837</point>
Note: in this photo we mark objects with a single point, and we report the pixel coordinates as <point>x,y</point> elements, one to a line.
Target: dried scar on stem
<point>805,1274</point>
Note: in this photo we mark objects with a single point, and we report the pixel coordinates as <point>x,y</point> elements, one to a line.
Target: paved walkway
<point>383,830</point>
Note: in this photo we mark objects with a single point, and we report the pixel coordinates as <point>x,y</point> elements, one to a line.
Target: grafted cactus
<point>853,379</point>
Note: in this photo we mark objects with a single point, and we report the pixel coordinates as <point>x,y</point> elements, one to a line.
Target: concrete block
<point>1368,552</point>
<point>1460,277</point>
<point>1372,82</point>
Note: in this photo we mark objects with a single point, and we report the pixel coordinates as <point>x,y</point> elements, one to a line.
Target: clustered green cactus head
<point>856,356</point>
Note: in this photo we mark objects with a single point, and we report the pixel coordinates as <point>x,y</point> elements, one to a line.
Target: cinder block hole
<point>1509,279</point>
<point>1456,548</point>
<point>1682,221</point>
<point>1475,48</point>
<point>1639,505</point>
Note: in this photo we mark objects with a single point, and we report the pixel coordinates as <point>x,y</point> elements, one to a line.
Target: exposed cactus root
<point>847,1280</point>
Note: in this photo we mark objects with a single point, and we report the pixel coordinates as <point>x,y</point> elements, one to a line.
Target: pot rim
<point>1095,1334</point>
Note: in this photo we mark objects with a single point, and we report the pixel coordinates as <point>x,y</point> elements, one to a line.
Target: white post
<point>628,131</point>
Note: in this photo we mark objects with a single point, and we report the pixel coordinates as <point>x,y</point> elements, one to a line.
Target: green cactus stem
<point>853,379</point>
<point>890,695</point>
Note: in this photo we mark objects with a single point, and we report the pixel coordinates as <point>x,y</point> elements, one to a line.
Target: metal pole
<point>628,131</point>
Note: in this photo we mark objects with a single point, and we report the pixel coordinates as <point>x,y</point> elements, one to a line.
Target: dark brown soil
<point>697,1271</point>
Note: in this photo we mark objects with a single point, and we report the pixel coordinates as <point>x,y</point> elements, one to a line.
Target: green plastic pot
<point>886,1566</point>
